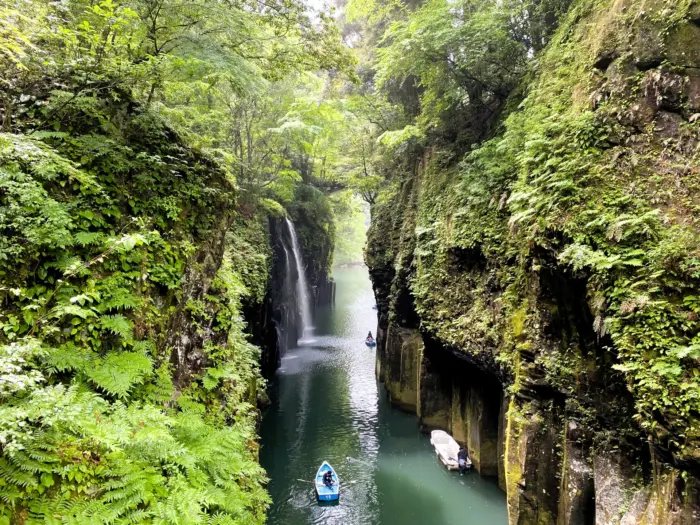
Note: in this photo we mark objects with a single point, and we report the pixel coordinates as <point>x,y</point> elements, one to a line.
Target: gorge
<point>178,180</point>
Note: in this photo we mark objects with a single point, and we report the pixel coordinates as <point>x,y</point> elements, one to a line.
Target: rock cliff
<point>124,265</point>
<point>538,299</point>
<point>132,284</point>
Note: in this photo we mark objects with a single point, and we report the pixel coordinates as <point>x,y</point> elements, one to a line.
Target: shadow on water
<point>420,504</point>
<point>327,405</point>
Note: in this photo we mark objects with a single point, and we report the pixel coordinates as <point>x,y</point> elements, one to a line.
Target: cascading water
<point>302,288</point>
<point>287,336</point>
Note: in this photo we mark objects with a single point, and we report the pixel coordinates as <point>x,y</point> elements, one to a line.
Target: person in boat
<point>328,478</point>
<point>462,458</point>
<point>370,339</point>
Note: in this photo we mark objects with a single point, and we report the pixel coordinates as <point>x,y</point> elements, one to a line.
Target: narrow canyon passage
<point>327,404</point>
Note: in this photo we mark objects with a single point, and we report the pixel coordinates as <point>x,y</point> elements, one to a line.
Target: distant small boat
<point>324,492</point>
<point>371,343</point>
<point>446,449</point>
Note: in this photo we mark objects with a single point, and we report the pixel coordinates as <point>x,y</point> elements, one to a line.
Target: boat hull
<point>447,449</point>
<point>450,464</point>
<point>371,344</point>
<point>323,492</point>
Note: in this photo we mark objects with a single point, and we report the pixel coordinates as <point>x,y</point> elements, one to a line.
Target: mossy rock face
<point>313,220</point>
<point>624,497</point>
<point>523,259</point>
<point>620,74</point>
<point>576,501</point>
<point>683,44</point>
<point>435,393</point>
<point>663,89</point>
<point>165,263</point>
<point>404,350</point>
<point>694,11</point>
<point>647,44</point>
<point>692,90</point>
<point>434,420</point>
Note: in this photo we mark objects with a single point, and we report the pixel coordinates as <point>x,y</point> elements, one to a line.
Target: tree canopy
<point>145,143</point>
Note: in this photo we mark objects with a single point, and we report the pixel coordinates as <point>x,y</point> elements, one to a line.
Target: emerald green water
<point>328,405</point>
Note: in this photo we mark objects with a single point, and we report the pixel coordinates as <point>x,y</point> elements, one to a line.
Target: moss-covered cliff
<point>128,385</point>
<point>132,286</point>
<point>539,297</point>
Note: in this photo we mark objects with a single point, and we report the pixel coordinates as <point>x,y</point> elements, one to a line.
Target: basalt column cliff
<point>538,296</point>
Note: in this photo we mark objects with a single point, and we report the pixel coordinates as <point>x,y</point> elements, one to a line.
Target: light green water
<point>327,405</point>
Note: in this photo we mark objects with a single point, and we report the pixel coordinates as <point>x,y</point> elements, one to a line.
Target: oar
<point>344,482</point>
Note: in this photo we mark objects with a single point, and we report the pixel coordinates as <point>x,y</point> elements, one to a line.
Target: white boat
<point>446,449</point>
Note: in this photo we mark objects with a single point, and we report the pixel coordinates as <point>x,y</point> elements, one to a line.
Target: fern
<point>13,474</point>
<point>120,299</point>
<point>49,135</point>
<point>119,372</point>
<point>64,310</point>
<point>69,357</point>
<point>88,238</point>
<point>70,265</point>
<point>118,324</point>
<point>90,431</point>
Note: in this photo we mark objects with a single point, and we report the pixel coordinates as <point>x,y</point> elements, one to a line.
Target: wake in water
<point>328,406</point>
<point>355,460</point>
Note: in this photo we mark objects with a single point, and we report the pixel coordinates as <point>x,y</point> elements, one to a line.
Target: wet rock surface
<point>535,395</point>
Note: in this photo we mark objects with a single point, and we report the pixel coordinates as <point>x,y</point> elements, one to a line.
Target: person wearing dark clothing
<point>370,339</point>
<point>462,458</point>
<point>328,478</point>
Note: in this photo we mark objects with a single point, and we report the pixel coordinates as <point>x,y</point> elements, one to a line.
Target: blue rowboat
<point>324,492</point>
<point>371,343</point>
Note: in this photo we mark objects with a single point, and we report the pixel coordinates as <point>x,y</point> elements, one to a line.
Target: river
<point>327,405</point>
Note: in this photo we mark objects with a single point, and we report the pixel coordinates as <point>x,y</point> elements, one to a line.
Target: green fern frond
<point>119,325</point>
<point>89,238</point>
<point>100,512</point>
<point>64,310</point>
<point>69,357</point>
<point>220,519</point>
<point>23,461</point>
<point>119,372</point>
<point>145,346</point>
<point>44,457</point>
<point>14,475</point>
<point>120,299</point>
<point>49,135</point>
<point>135,516</point>
<point>69,265</point>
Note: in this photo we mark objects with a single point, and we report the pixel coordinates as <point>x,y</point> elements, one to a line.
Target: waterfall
<point>302,288</point>
<point>287,297</point>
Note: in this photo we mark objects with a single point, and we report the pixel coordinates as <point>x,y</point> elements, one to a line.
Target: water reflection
<point>327,406</point>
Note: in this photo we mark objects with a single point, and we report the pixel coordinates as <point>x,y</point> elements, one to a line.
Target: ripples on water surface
<point>327,405</point>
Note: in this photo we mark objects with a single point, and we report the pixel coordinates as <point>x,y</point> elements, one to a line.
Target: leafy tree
<point>351,228</point>
<point>106,217</point>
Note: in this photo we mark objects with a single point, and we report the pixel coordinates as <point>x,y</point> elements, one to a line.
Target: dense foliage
<point>95,423</point>
<point>144,143</point>
<point>523,159</point>
<point>128,386</point>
